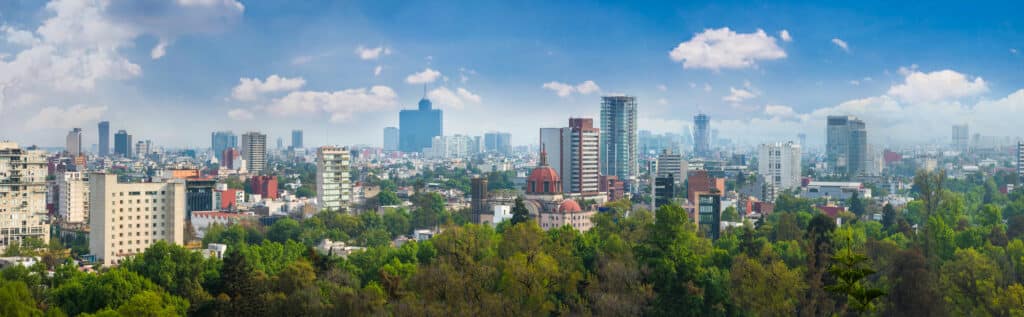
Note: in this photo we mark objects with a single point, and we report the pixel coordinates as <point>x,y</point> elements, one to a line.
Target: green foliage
<point>850,272</point>
<point>519,212</point>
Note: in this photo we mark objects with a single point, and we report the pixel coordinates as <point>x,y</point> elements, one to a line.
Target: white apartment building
<point>670,162</point>
<point>779,164</point>
<point>333,186</point>
<point>254,151</point>
<point>126,218</point>
<point>22,195</point>
<point>73,192</point>
<point>574,152</point>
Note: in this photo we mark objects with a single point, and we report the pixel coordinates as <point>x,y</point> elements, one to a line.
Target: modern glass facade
<point>417,128</point>
<point>618,139</point>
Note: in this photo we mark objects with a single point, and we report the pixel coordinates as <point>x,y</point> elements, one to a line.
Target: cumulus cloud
<point>841,44</point>
<point>371,53</point>
<point>738,95</point>
<point>249,89</point>
<point>456,99</point>
<point>724,48</point>
<point>921,87</point>
<point>74,116</point>
<point>377,70</point>
<point>784,35</point>
<point>340,105</point>
<point>239,114</point>
<point>425,77</point>
<point>665,88</point>
<point>565,90</point>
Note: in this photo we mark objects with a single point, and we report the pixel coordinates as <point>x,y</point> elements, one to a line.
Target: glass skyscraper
<point>104,135</point>
<point>701,136</point>
<point>846,145</point>
<point>222,140</point>
<point>417,128</point>
<point>297,139</point>
<point>619,139</point>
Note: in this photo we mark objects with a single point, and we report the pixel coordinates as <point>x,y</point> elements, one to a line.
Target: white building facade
<point>779,164</point>
<point>126,218</point>
<point>73,192</point>
<point>22,195</point>
<point>333,186</point>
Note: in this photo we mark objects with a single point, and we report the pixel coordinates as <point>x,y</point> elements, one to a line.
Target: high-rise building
<point>451,146</point>
<point>333,187</point>
<point>391,139</point>
<point>672,163</point>
<point>618,151</point>
<point>1020,163</point>
<point>700,181</point>
<point>803,139</point>
<point>143,148</point>
<point>126,218</point>
<point>73,193</point>
<point>254,151</point>
<point>199,195</point>
<point>22,195</point>
<point>229,158</point>
<point>664,190</point>
<point>498,142</point>
<point>961,137</point>
<point>123,143</point>
<point>222,140</point>
<point>417,128</point>
<point>709,212</point>
<point>574,152</point>
<point>701,136</point>
<point>847,145</point>
<point>104,138</point>
<point>478,197</point>
<point>74,142</point>
<point>297,139</point>
<point>779,164</point>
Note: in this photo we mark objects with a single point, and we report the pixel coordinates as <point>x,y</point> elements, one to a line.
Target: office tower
<point>847,146</point>
<point>417,128</point>
<point>123,144</point>
<point>73,192</point>
<point>478,197</point>
<point>961,137</point>
<point>709,212</point>
<point>265,186</point>
<point>104,135</point>
<point>222,140</point>
<point>803,139</point>
<point>672,163</point>
<point>1020,163</point>
<point>391,139</point>
<point>333,187</point>
<point>779,164</point>
<point>297,139</point>
<point>618,154</point>
<point>143,148</point>
<point>126,218</point>
<point>74,142</point>
<point>229,158</point>
<point>555,141</point>
<point>280,143</point>
<point>198,195</point>
<point>254,151</point>
<point>22,195</point>
<point>498,142</point>
<point>664,190</point>
<point>574,152</point>
<point>701,136</point>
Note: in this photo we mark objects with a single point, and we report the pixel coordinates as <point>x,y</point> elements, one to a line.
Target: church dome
<point>543,179</point>
<point>569,205</point>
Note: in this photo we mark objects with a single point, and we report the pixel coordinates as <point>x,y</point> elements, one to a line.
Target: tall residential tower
<point>618,150</point>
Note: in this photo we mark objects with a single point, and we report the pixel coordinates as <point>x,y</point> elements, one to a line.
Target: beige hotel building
<point>126,218</point>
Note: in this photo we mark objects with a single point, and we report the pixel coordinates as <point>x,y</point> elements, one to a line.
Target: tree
<point>856,205</point>
<point>397,222</point>
<point>888,218</point>
<point>519,212</point>
<point>914,291</point>
<point>771,289</point>
<point>388,198</point>
<point>971,279</point>
<point>850,271</point>
<point>283,230</point>
<point>730,214</point>
<point>429,210</point>
<point>16,300</point>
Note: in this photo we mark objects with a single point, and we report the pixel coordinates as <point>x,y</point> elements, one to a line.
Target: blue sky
<point>910,69</point>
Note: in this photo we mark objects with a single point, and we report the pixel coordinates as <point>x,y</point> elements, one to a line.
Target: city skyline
<point>343,71</point>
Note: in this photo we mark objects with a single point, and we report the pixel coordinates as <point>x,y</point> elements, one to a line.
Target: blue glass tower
<point>417,128</point>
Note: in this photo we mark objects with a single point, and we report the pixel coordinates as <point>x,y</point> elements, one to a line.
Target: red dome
<point>569,205</point>
<point>543,180</point>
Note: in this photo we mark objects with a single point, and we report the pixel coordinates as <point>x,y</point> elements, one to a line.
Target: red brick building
<point>701,182</point>
<point>265,186</point>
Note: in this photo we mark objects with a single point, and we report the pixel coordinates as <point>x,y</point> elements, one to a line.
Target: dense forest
<point>957,250</point>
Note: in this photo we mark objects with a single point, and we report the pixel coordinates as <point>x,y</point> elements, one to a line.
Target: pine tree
<point>519,212</point>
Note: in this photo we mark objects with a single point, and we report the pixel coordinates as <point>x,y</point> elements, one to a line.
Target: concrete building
<point>779,164</point>
<point>479,196</point>
<point>498,142</point>
<point>143,148</point>
<point>834,190</point>
<point>199,195</point>
<point>671,163</point>
<point>701,136</point>
<point>961,137</point>
<point>104,138</point>
<point>265,186</point>
<point>126,218</point>
<point>709,214</point>
<point>22,195</point>
<point>391,139</point>
<point>222,140</point>
<point>574,152</point>
<point>1020,163</point>
<point>664,190</point>
<point>417,128</point>
<point>254,151</point>
<point>297,139</point>
<point>74,142</point>
<point>333,187</point>
<point>846,145</point>
<point>123,144</point>
<point>701,182</point>
<point>618,151</point>
<point>73,193</point>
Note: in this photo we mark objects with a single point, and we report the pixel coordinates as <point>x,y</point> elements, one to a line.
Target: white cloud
<point>1013,51</point>
<point>723,48</point>
<point>919,87</point>
<point>665,88</point>
<point>855,82</point>
<point>372,53</point>
<point>707,87</point>
<point>841,44</point>
<point>564,89</point>
<point>425,77</point>
<point>784,35</point>
<point>340,105</point>
<point>59,118</point>
<point>738,95</point>
<point>780,111</point>
<point>239,114</point>
<point>377,70</point>
<point>249,89</point>
<point>663,101</point>
<point>159,50</point>
<point>444,97</point>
